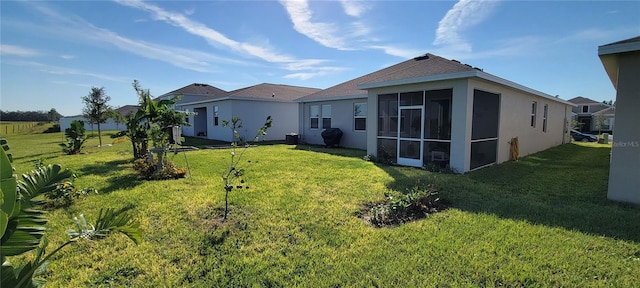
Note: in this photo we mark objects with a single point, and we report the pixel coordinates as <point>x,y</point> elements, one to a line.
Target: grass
<point>541,221</point>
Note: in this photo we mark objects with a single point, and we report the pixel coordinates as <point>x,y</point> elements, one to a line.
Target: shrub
<point>76,137</point>
<point>398,208</point>
<point>64,194</point>
<point>147,170</point>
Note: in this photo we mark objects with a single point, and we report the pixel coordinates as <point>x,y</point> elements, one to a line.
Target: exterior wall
<point>515,113</point>
<point>253,115</point>
<point>515,120</point>
<point>65,122</point>
<point>341,117</point>
<point>462,107</point>
<point>624,174</point>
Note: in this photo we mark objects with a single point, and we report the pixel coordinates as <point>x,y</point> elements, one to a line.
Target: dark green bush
<point>398,208</point>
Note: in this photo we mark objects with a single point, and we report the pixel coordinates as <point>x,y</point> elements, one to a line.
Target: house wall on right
<point>516,113</point>
<point>624,174</point>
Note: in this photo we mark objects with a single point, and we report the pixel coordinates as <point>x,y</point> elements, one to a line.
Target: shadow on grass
<point>344,152</point>
<point>127,181</point>
<point>565,186</point>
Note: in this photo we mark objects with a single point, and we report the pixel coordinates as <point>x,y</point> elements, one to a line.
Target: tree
<point>53,115</point>
<point>600,123</point>
<point>152,120</point>
<point>233,176</point>
<point>117,117</point>
<point>96,108</point>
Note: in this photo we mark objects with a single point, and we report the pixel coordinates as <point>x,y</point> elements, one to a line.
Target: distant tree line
<point>31,116</point>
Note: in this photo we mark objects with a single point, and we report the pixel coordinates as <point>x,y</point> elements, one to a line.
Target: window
<point>544,118</point>
<point>326,116</point>
<point>585,109</point>
<point>314,114</point>
<point>437,114</point>
<point>534,108</point>
<point>186,116</point>
<point>360,116</point>
<point>215,116</point>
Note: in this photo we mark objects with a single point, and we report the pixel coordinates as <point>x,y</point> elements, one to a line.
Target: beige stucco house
<point>621,60</point>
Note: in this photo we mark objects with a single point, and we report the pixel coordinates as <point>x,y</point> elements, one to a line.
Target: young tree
<point>600,123</point>
<point>233,176</point>
<point>96,108</point>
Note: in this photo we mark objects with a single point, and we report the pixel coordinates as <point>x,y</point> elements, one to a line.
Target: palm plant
<point>22,224</point>
<point>75,138</point>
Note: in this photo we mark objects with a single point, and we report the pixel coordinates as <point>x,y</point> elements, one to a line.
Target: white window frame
<point>355,116</point>
<point>316,116</point>
<point>582,109</point>
<point>544,117</point>
<point>326,114</point>
<point>216,115</point>
<point>534,112</point>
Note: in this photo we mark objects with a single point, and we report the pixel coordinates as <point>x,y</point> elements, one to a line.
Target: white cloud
<point>14,50</point>
<point>57,70</point>
<point>323,33</point>
<point>399,52</point>
<point>74,27</point>
<point>217,39</point>
<point>67,57</point>
<point>353,8</point>
<point>464,15</point>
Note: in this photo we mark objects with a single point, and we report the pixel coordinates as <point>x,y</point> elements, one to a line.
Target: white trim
<point>333,98</point>
<point>484,139</point>
<point>237,98</point>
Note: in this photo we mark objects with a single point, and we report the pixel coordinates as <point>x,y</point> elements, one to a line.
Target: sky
<point>53,52</point>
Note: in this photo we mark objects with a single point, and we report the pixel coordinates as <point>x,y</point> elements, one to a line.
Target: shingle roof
<point>198,89</point>
<point>127,110</point>
<point>427,65</point>
<point>271,91</point>
<point>582,100</point>
<point>630,40</point>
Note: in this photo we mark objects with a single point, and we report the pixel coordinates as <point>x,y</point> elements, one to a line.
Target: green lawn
<point>541,221</point>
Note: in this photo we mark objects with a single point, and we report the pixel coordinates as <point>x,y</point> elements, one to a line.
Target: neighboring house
<point>621,61</point>
<point>192,93</point>
<point>587,112</point>
<point>125,111</point>
<point>433,111</point>
<point>251,104</point>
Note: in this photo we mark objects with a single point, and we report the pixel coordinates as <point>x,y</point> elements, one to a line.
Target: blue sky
<point>53,52</point>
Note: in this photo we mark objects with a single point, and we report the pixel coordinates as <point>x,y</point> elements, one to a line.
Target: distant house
<point>621,61</point>
<point>251,104</point>
<point>192,93</point>
<point>433,111</point>
<point>588,111</point>
<point>124,111</point>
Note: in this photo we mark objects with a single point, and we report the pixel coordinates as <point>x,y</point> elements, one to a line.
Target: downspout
<point>564,131</point>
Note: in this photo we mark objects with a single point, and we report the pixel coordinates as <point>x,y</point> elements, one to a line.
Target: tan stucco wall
<point>515,106</point>
<point>515,120</point>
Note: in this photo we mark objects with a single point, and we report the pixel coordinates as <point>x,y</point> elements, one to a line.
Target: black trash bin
<point>291,139</point>
<point>331,137</point>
